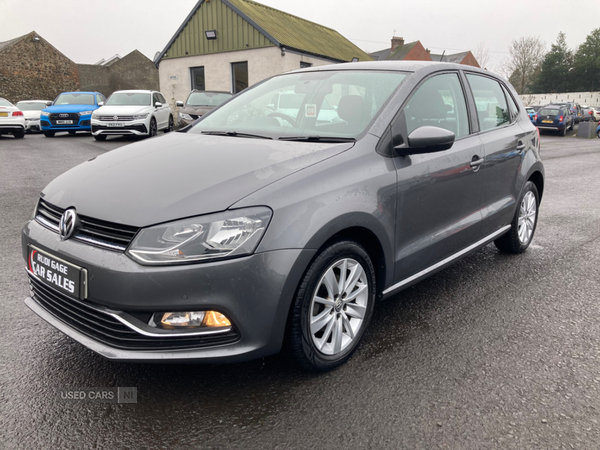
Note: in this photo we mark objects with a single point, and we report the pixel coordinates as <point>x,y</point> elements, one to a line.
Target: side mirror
<point>48,103</point>
<point>271,107</point>
<point>179,104</point>
<point>100,103</point>
<point>158,105</point>
<point>426,140</point>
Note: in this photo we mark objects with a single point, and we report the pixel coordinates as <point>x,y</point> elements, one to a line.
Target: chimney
<point>428,51</point>
<point>397,42</point>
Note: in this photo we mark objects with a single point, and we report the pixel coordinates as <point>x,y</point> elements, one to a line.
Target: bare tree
<point>521,67</point>
<point>482,55</point>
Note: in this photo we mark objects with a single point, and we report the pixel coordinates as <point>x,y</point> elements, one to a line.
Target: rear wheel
<point>332,307</point>
<point>171,126</point>
<point>100,137</point>
<point>49,133</point>
<point>563,132</point>
<point>19,134</point>
<point>524,222</point>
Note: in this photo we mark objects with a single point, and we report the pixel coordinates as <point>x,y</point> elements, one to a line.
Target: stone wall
<point>133,71</point>
<point>35,70</point>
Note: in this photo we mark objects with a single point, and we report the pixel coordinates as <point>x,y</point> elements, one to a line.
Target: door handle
<point>476,163</point>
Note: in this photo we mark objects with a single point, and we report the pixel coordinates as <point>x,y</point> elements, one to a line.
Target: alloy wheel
<point>339,306</point>
<point>527,217</point>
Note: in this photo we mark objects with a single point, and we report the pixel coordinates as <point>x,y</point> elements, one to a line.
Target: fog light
<point>182,319</point>
<point>189,319</point>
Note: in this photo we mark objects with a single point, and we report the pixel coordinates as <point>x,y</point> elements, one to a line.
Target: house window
<point>197,75</point>
<point>305,65</point>
<point>239,76</point>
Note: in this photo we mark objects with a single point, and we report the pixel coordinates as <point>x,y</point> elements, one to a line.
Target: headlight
<point>185,116</point>
<point>94,116</point>
<point>44,113</point>
<point>215,236</point>
<point>140,116</point>
<point>85,113</point>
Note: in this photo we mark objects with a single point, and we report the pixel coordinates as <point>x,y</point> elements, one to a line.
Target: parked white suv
<point>133,112</point>
<point>32,110</point>
<point>12,120</point>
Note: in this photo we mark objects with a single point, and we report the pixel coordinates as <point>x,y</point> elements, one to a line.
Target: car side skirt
<point>438,266</point>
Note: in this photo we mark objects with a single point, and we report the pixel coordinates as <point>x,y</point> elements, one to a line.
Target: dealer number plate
<point>115,124</point>
<point>547,121</point>
<point>57,273</point>
<point>64,122</point>
<point>3,114</point>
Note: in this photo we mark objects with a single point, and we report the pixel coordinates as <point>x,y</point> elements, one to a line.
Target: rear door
<point>439,194</point>
<point>505,143</point>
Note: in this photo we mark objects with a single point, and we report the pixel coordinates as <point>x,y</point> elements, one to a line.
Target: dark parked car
<point>555,117</point>
<point>214,244</point>
<point>574,109</point>
<point>199,103</point>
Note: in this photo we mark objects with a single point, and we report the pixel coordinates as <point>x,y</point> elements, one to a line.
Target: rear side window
<point>439,102</point>
<point>512,106</point>
<point>492,109</point>
<point>162,99</point>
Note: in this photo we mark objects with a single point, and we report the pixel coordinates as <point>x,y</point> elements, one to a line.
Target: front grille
<point>64,116</point>
<point>108,235</point>
<point>104,328</point>
<point>115,118</point>
<point>118,130</point>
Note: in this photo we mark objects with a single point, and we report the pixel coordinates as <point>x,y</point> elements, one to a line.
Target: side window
<point>100,98</point>
<point>512,105</point>
<point>162,99</point>
<point>155,99</point>
<point>439,102</point>
<point>492,109</point>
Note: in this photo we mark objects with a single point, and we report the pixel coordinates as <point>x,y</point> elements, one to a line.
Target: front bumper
<point>255,292</point>
<point>132,127</point>
<point>80,124</point>
<point>32,125</point>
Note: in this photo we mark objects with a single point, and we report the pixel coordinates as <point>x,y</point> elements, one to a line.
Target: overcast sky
<point>87,31</point>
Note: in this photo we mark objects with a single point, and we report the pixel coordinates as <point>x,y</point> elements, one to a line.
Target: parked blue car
<point>555,117</point>
<point>532,114</point>
<point>71,111</point>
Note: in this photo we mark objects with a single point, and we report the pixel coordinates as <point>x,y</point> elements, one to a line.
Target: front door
<point>439,194</point>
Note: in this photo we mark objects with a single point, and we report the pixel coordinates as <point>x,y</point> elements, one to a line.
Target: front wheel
<point>100,137</point>
<point>332,307</point>
<point>524,222</point>
<point>153,128</point>
<point>49,133</point>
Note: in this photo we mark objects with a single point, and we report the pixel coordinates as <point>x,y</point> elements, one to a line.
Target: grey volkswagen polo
<point>257,227</point>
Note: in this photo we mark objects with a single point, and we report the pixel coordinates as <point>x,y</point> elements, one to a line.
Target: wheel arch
<point>538,179</point>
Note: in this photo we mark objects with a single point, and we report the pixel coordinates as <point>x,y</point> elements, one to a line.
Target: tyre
<point>72,133</point>
<point>171,126</point>
<point>563,132</point>
<point>598,134</point>
<point>523,224</point>
<point>49,133</point>
<point>19,134</point>
<point>153,128</point>
<point>100,137</point>
<point>332,307</point>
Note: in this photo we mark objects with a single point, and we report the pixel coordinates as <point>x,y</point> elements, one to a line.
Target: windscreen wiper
<point>317,138</point>
<point>235,134</point>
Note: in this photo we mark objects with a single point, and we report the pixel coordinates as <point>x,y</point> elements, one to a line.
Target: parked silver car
<point>214,244</point>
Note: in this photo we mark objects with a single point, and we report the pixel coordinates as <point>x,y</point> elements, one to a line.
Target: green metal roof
<point>245,24</point>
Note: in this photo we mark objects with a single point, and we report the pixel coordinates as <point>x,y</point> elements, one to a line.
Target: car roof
<point>80,92</point>
<point>211,92</point>
<point>139,91</point>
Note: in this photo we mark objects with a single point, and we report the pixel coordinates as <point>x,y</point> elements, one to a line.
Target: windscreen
<point>75,99</point>
<point>207,98</point>
<point>322,103</point>
<point>130,99</point>
<point>30,106</point>
<point>5,102</point>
